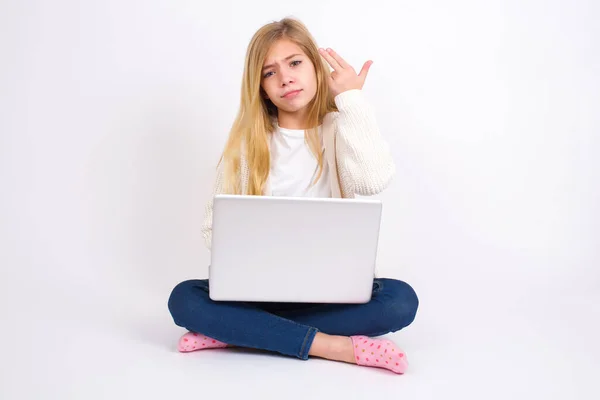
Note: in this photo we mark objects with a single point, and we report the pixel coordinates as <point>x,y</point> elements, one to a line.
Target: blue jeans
<point>290,328</point>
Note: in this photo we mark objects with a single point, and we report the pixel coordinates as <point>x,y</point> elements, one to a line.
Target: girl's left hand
<point>343,77</point>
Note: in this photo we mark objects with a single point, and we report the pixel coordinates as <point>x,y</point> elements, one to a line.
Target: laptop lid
<point>284,249</point>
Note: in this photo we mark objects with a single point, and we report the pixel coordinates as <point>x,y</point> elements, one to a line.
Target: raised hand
<point>343,77</point>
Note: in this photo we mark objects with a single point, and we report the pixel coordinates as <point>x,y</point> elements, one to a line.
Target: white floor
<point>65,343</point>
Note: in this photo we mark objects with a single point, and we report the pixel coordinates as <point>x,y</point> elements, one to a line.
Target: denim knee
<point>182,298</point>
<point>400,304</point>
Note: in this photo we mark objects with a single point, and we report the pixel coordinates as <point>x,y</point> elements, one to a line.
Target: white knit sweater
<point>359,158</point>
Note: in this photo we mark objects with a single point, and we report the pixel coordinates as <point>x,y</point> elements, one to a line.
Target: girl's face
<point>288,77</point>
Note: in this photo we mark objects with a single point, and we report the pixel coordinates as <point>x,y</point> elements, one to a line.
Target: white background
<point>113,115</point>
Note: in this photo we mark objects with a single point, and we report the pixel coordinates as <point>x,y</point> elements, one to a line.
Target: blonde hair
<point>256,120</point>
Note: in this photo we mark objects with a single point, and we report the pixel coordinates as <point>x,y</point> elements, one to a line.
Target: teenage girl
<point>278,145</point>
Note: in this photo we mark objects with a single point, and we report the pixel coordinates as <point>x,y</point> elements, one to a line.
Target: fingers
<point>338,58</point>
<point>330,60</point>
<point>365,69</point>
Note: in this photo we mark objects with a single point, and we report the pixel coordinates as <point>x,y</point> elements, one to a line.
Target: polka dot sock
<point>379,353</point>
<point>192,341</point>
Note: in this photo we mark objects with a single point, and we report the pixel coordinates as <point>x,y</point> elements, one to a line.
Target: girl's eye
<point>293,63</point>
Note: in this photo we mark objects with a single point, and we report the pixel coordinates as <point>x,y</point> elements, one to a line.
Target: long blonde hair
<point>256,120</point>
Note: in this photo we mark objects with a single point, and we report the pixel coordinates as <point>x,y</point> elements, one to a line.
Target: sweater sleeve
<point>208,211</point>
<point>364,159</point>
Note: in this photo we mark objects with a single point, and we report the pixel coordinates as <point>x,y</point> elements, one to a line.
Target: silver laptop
<point>297,250</point>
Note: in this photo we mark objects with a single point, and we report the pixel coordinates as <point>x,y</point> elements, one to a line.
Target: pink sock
<point>192,341</point>
<point>379,353</point>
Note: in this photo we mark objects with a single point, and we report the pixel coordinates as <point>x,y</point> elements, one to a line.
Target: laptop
<point>293,250</point>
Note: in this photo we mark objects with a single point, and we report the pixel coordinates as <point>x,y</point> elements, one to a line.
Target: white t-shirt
<point>294,167</point>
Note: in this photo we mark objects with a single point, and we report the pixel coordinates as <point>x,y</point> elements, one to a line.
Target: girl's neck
<point>295,120</point>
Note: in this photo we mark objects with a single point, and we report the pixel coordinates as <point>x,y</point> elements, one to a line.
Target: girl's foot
<point>192,341</point>
<point>360,350</point>
<point>380,353</point>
